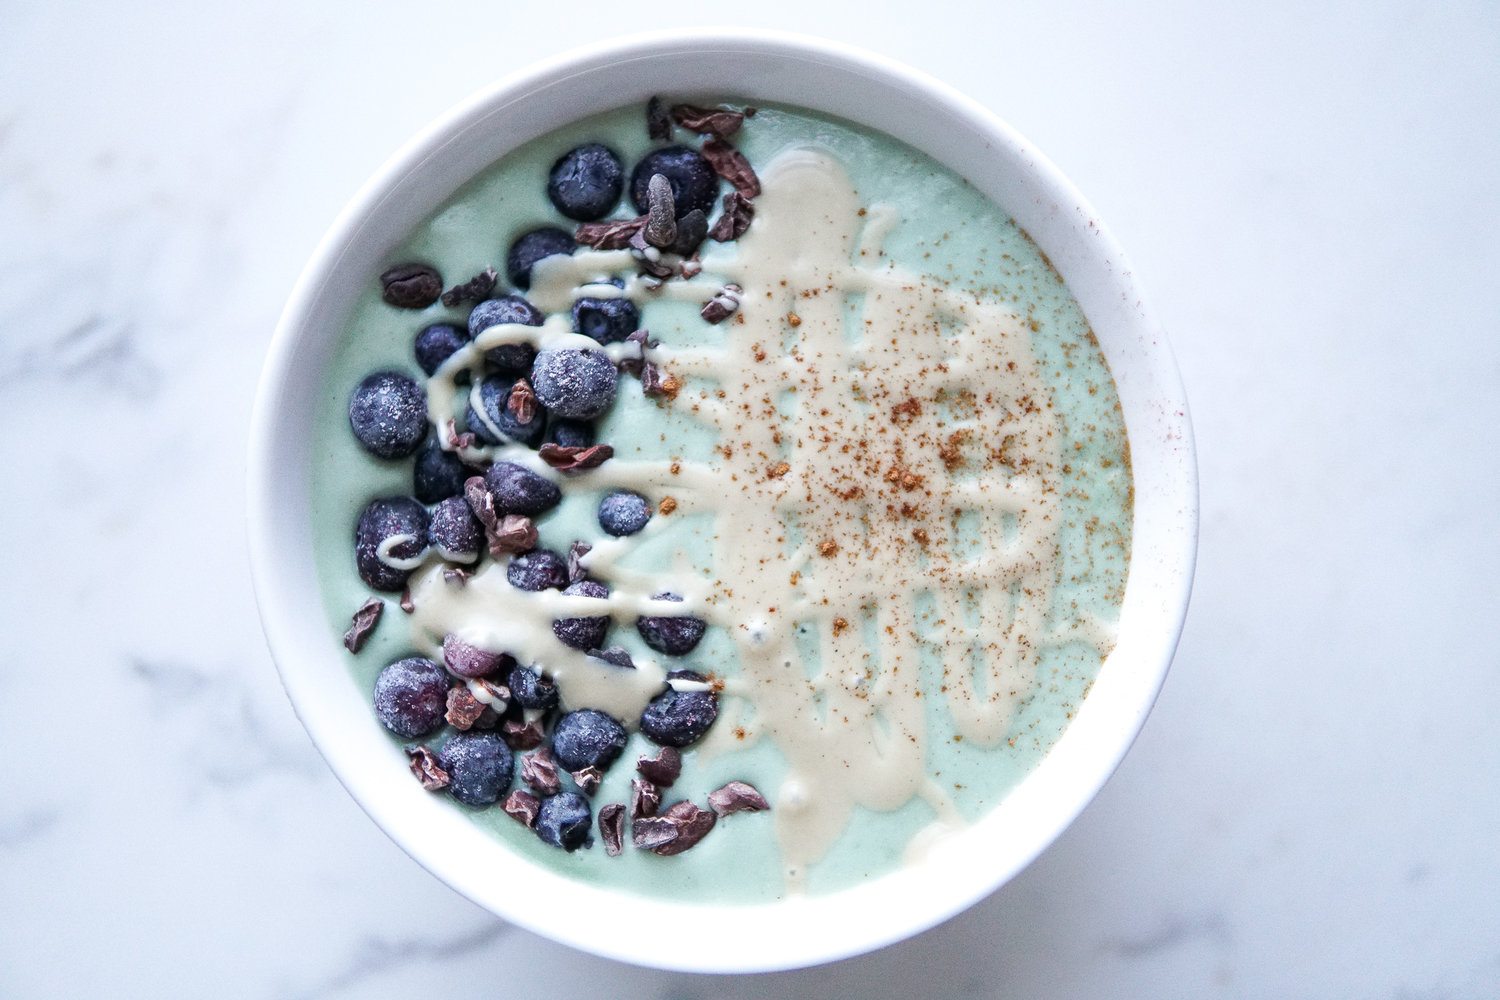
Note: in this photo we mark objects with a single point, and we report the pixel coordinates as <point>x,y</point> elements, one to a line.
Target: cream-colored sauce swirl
<point>884,491</point>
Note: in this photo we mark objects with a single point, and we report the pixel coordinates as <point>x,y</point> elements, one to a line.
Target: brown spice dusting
<point>828,548</point>
<point>839,625</point>
<point>907,411</point>
<point>737,796</point>
<point>523,807</point>
<point>920,534</point>
<point>364,622</point>
<point>667,505</point>
<point>425,766</point>
<point>758,353</point>
<point>657,383</point>
<point>793,319</point>
<point>612,828</point>
<point>778,470</point>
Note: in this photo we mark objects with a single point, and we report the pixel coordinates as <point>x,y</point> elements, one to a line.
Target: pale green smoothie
<point>934,225</point>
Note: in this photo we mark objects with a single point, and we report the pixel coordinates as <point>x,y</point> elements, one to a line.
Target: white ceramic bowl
<point>765,67</point>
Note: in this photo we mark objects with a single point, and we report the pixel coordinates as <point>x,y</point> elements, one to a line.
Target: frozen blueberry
<point>539,569</point>
<point>454,531</point>
<point>531,690</point>
<point>615,655</point>
<point>571,433</point>
<point>411,697</point>
<point>622,513</point>
<point>679,718</point>
<point>513,358</point>
<point>586,182</point>
<point>694,183</point>
<point>494,397</point>
<point>564,820</point>
<point>438,474</point>
<point>437,343</point>
<point>399,523</point>
<point>479,766</point>
<point>532,247</point>
<point>675,636</point>
<point>608,321</point>
<point>518,490</point>
<point>583,633</point>
<point>575,383</point>
<point>587,738</point>
<point>388,413</point>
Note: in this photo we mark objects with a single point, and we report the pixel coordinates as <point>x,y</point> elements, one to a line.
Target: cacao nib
<point>522,806</point>
<point>730,164</point>
<point>522,735</point>
<point>539,771</point>
<point>645,798</point>
<point>737,796</point>
<point>365,620</point>
<point>425,766</point>
<point>566,458</point>
<point>463,708</point>
<point>707,121</point>
<point>663,769</point>
<point>476,289</point>
<point>612,828</point>
<point>614,235</point>
<point>522,402</point>
<point>576,552</point>
<point>658,122</point>
<point>587,779</point>
<point>738,213</point>
<point>722,305</point>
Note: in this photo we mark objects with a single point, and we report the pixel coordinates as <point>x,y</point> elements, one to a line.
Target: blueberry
<point>388,413</point>
<point>531,690</point>
<point>622,513</point>
<point>518,490</point>
<point>564,820</point>
<point>615,655</point>
<point>586,182</point>
<point>514,358</point>
<point>494,397</point>
<point>587,738</point>
<point>583,633</point>
<point>479,766</point>
<point>694,183</point>
<point>539,569</point>
<point>574,383</point>
<point>679,718</point>
<point>437,343</point>
<point>532,247</point>
<point>438,474</point>
<point>571,433</point>
<point>675,636</point>
<point>386,518</point>
<point>411,697</point>
<point>608,321</point>
<point>454,531</point>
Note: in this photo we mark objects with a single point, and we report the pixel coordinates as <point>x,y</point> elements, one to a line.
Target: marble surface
<point>1309,193</point>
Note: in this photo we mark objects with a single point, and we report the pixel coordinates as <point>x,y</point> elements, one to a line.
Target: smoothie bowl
<point>720,502</point>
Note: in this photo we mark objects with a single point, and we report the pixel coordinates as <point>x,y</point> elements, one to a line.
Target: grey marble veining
<point>1309,194</point>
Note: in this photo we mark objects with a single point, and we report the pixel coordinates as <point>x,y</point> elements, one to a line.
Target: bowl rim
<point>1114,719</point>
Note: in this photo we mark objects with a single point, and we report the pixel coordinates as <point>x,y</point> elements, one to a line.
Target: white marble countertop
<point>1309,193</point>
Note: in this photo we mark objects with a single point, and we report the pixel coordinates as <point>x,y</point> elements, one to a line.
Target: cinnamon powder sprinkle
<point>828,548</point>
<point>667,505</point>
<point>839,625</point>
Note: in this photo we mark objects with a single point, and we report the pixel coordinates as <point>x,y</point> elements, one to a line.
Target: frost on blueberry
<point>388,414</point>
<point>583,633</point>
<point>437,343</point>
<point>498,415</point>
<point>609,321</point>
<point>623,513</point>
<point>531,690</point>
<point>455,532</point>
<point>587,738</point>
<point>518,490</point>
<point>575,383</point>
<point>438,474</point>
<point>564,820</point>
<point>516,358</point>
<point>694,183</point>
<point>479,765</point>
<point>411,697</point>
<point>539,569</point>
